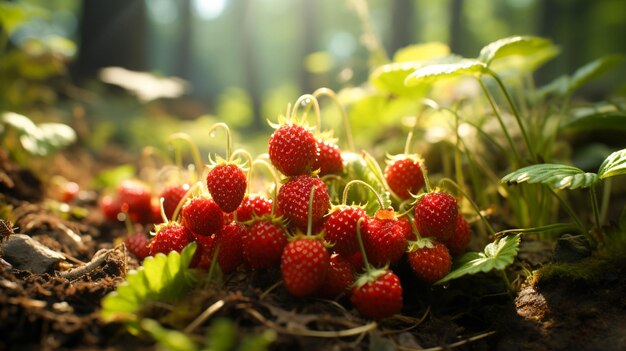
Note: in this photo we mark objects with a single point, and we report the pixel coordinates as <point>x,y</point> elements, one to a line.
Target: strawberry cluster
<point>322,248</point>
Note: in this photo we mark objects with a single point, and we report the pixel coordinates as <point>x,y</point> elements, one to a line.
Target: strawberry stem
<point>228,137</point>
<point>308,99</point>
<point>250,160</point>
<point>274,177</point>
<point>149,155</point>
<point>180,204</point>
<point>194,150</point>
<point>476,208</point>
<point>309,225</point>
<point>427,185</point>
<point>361,245</point>
<point>344,116</point>
<point>344,198</point>
<point>407,144</point>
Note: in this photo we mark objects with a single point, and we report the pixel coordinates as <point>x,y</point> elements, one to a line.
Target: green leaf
<point>421,52</point>
<point>535,48</point>
<point>167,339</point>
<point>22,124</point>
<point>160,278</point>
<point>496,255</point>
<point>606,117</point>
<point>40,140</point>
<point>555,176</point>
<point>614,164</point>
<point>390,78</point>
<point>356,167</point>
<point>593,70</point>
<point>13,15</point>
<point>432,73</point>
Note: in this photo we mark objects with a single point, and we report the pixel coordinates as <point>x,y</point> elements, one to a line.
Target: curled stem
<point>228,137</point>
<point>344,198</point>
<point>360,240</point>
<point>308,99</point>
<point>194,150</point>
<point>309,225</point>
<point>250,160</point>
<point>274,176</point>
<point>344,115</point>
<point>180,204</point>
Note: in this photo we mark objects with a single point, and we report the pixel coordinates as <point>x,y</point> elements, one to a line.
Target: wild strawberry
<point>203,256</point>
<point>264,242</point>
<point>304,264</point>
<point>429,260</point>
<point>227,184</point>
<point>378,294</point>
<point>135,198</point>
<point>457,244</point>
<point>329,160</point>
<point>170,237</point>
<point>137,245</point>
<point>293,149</point>
<point>436,215</point>
<point>405,223</point>
<point>340,228</point>
<point>339,278</point>
<point>171,198</point>
<point>253,205</point>
<point>110,207</point>
<point>229,241</point>
<point>202,216</point>
<point>293,200</point>
<point>404,175</point>
<point>383,238</point>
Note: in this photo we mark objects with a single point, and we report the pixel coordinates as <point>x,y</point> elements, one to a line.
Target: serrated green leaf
<point>160,278</point>
<point>497,255</point>
<point>432,73</point>
<point>614,164</point>
<point>525,46</point>
<point>555,176</point>
<point>593,70</point>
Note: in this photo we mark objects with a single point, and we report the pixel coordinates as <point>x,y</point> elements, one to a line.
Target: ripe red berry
<point>293,200</point>
<point>229,240</point>
<point>136,199</point>
<point>137,245</point>
<point>383,238</point>
<point>253,205</point>
<point>329,160</point>
<point>339,278</point>
<point>405,223</point>
<point>110,207</point>
<point>292,149</point>
<point>340,228</point>
<point>263,244</point>
<point>304,264</point>
<point>404,175</point>
<point>378,294</point>
<point>227,185</point>
<point>202,216</point>
<point>203,256</point>
<point>170,237</point>
<point>430,261</point>
<point>457,244</point>
<point>436,215</point>
<point>171,197</point>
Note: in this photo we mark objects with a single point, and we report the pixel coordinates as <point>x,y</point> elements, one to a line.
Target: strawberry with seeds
<point>404,175</point>
<point>436,215</point>
<point>429,259</point>
<point>202,216</point>
<point>229,240</point>
<point>457,244</point>
<point>172,197</point>
<point>293,200</point>
<point>339,277</point>
<point>329,159</point>
<point>137,245</point>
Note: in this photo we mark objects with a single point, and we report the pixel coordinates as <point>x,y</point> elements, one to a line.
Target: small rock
<point>25,253</point>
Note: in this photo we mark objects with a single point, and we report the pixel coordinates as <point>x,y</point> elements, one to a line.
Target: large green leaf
<point>614,164</point>
<point>432,73</point>
<point>604,117</point>
<point>390,78</point>
<point>535,48</point>
<point>593,70</point>
<point>421,52</point>
<point>160,278</point>
<point>496,255</point>
<point>555,176</point>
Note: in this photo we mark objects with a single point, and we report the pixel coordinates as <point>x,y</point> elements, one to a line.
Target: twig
<point>204,316</point>
<point>97,260</point>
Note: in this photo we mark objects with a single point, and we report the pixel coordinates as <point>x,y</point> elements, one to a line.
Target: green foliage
<point>555,176</point>
<point>167,339</point>
<point>534,50</point>
<point>614,164</point>
<point>597,117</point>
<point>357,167</point>
<point>39,140</point>
<point>112,177</point>
<point>13,15</point>
<point>497,255</point>
<point>593,70</point>
<point>160,278</point>
<point>432,73</point>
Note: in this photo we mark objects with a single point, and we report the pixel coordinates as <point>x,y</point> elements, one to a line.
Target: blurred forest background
<point>244,60</point>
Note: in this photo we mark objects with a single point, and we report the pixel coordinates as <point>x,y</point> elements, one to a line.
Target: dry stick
<point>450,346</point>
<point>344,115</point>
<point>417,324</point>
<point>204,316</point>
<point>96,261</point>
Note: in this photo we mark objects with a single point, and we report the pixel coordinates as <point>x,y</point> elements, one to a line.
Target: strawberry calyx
<point>413,157</point>
<point>370,275</point>
<point>420,243</point>
<point>300,235</point>
<point>278,220</point>
<point>220,161</point>
<point>341,207</point>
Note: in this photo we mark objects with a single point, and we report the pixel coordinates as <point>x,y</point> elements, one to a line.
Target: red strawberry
<point>405,223</point>
<point>339,278</point>
<point>457,244</point>
<point>340,228</point>
<point>378,294</point>
<point>329,160</point>
<point>304,264</point>
<point>170,236</point>
<point>263,244</point>
<point>404,175</point>
<point>293,200</point>
<point>253,205</point>
<point>137,245</point>
<point>436,215</point>
<point>429,259</point>
<point>171,197</point>
<point>110,207</point>
<point>293,149</point>
<point>383,238</point>
<point>229,241</point>
<point>227,184</point>
<point>136,199</point>
<point>202,216</point>
<point>203,256</point>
